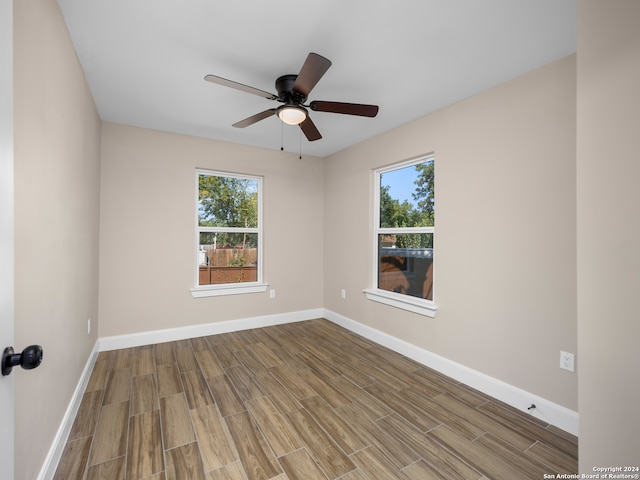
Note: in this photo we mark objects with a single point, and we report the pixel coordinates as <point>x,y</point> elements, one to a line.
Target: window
<point>404,220</point>
<point>229,234</point>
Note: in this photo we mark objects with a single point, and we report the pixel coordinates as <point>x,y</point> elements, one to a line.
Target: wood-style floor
<point>301,401</point>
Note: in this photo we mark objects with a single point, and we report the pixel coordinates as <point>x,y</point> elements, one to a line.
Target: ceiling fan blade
<point>345,108</point>
<point>315,66</point>
<point>239,86</point>
<point>309,129</point>
<point>255,118</point>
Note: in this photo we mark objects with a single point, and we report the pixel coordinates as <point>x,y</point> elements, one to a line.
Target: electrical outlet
<point>567,361</point>
<point>343,293</point>
<point>272,293</point>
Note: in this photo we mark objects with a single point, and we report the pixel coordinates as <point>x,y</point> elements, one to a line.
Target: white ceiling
<point>145,60</point>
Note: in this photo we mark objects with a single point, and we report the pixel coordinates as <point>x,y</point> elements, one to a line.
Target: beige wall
<point>505,231</point>
<point>57,151</point>
<point>147,238</point>
<point>608,170</point>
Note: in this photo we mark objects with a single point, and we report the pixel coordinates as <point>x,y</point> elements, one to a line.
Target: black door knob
<point>30,358</point>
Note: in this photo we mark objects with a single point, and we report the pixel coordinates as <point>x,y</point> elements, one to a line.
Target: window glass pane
<point>227,258</point>
<point>227,201</point>
<point>407,196</point>
<point>405,264</point>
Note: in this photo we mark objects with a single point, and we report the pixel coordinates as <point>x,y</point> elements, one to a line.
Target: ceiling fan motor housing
<point>284,87</point>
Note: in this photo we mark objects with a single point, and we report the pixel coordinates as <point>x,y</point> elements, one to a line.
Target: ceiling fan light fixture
<point>292,114</point>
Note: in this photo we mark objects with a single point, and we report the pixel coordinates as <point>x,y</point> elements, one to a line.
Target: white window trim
<point>417,305</point>
<point>200,291</point>
<point>405,302</point>
<point>228,289</point>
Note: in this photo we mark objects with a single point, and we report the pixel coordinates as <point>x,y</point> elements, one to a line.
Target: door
<point>6,231</point>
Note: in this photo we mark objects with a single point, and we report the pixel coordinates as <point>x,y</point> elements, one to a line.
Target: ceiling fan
<point>293,91</point>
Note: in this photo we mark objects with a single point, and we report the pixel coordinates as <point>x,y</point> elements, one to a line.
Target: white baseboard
<point>193,331</point>
<point>50,464</point>
<point>545,410</point>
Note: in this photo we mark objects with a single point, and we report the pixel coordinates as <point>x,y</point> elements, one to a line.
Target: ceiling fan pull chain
<point>300,148</point>
<point>281,136</point>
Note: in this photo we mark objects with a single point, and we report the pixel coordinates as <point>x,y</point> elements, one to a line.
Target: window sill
<point>228,289</point>
<point>405,302</point>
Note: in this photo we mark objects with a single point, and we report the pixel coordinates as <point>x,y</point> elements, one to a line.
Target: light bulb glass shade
<point>292,114</point>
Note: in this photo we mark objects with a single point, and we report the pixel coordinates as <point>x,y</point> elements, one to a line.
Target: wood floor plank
<point>557,460</point>
<point>511,419</point>
<point>144,452</point>
<point>299,465</point>
<point>226,397</point>
<point>396,452</point>
<point>118,386</point>
<point>265,355</point>
<point>232,471</point>
<point>176,421</point>
<point>250,361</point>
<point>389,380</point>
<point>169,381</point>
<point>358,376</point>
<point>442,414</point>
<point>74,459</point>
<point>319,367</point>
<point>243,382</point>
<point>199,344</point>
<point>385,358</point>
<point>144,360</point>
<point>378,376</point>
<point>340,430</point>
<point>185,359</point>
<point>476,455</point>
<point>224,354</point>
<point>520,439</point>
<point>315,347</point>
<point>164,354</point>
<point>122,358</point>
<point>100,373</point>
<point>278,393</point>
<point>327,391</point>
<point>87,416</point>
<point>184,462</point>
<point>238,340</point>
<point>256,456</point>
<point>292,381</point>
<point>111,470</point>
<point>278,433</point>
<point>513,456</point>
<point>406,409</point>
<point>322,447</point>
<point>216,447</point>
<point>375,466</point>
<point>196,389</point>
<point>144,396</point>
<point>290,357</point>
<point>270,338</point>
<point>209,364</point>
<point>354,475</point>
<point>421,470</point>
<point>444,384</point>
<point>110,439</point>
<point>439,458</point>
<point>370,405</point>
